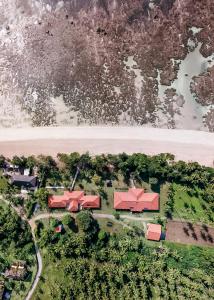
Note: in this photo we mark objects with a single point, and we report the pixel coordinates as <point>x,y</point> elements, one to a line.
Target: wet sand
<point>184,144</point>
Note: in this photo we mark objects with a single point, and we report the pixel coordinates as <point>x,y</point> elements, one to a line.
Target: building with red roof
<point>153,232</point>
<point>74,201</point>
<point>136,200</point>
<point>58,229</point>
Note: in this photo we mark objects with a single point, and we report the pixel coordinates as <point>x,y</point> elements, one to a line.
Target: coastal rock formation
<point>74,62</point>
<point>203,87</point>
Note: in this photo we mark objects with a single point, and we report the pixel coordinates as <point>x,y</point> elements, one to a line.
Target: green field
<point>189,207</point>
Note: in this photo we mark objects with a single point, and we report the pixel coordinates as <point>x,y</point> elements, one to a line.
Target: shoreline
<point>107,132</point>
<point>186,145</point>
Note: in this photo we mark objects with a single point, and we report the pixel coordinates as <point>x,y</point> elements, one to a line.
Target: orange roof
<point>153,232</point>
<point>73,206</point>
<point>72,201</point>
<point>76,195</point>
<point>122,200</point>
<point>58,229</point>
<point>136,200</point>
<point>90,201</point>
<point>56,201</point>
<point>136,192</point>
<point>61,201</point>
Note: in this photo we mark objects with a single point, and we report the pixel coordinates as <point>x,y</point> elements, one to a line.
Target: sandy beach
<point>186,145</point>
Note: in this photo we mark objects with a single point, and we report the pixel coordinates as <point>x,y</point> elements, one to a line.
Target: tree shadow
<point>156,187</point>
<point>193,208</point>
<point>186,231</point>
<point>205,227</point>
<point>194,236</point>
<point>190,226</point>
<point>210,238</point>
<point>203,235</point>
<point>186,205</point>
<point>29,276</point>
<point>168,214</point>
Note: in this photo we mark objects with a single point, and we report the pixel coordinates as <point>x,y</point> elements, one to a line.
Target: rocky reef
<point>74,62</point>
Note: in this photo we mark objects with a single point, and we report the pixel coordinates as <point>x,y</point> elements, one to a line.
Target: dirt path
<point>186,145</point>
<point>95,215</point>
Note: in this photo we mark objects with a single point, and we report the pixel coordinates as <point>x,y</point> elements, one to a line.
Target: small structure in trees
<point>58,229</point>
<point>24,181</point>
<point>9,169</point>
<point>17,271</point>
<point>153,232</point>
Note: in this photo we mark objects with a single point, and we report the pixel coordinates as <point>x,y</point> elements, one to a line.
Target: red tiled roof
<point>61,201</point>
<point>153,232</point>
<point>74,195</point>
<point>72,200</point>
<point>58,229</point>
<point>90,201</point>
<point>73,206</point>
<point>56,201</point>
<point>136,192</point>
<point>123,200</point>
<point>136,200</point>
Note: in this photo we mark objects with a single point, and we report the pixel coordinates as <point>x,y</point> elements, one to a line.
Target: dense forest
<point>85,262</point>
<point>15,244</point>
<point>15,237</point>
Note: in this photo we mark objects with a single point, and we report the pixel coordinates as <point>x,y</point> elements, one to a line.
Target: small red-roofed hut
<point>153,232</point>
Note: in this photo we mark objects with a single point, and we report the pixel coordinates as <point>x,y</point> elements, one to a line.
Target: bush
<point>117,215</point>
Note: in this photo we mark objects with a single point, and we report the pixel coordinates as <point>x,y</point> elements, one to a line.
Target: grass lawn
<point>189,207</point>
<point>110,226</point>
